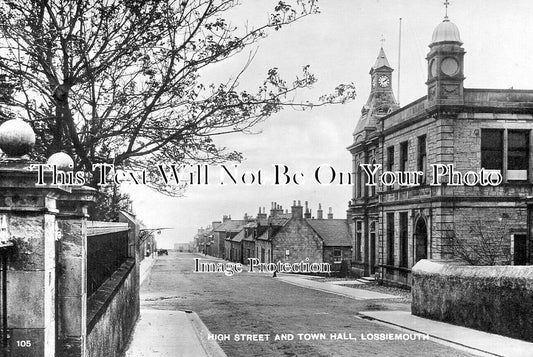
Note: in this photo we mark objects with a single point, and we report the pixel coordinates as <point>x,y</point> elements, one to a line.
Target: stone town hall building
<point>395,226</point>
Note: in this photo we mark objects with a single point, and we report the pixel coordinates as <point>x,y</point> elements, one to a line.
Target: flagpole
<point>399,57</point>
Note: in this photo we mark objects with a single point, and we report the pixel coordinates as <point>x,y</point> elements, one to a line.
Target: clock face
<point>383,81</point>
<point>433,68</point>
<point>449,66</point>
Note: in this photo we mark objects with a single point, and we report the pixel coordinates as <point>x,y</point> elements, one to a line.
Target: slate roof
<point>239,237</point>
<point>276,226</point>
<point>382,60</point>
<point>334,232</point>
<point>249,238</point>
<point>231,225</point>
<point>263,236</point>
<point>279,220</point>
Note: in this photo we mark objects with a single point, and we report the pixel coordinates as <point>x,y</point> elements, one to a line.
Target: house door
<point>421,239</point>
<point>520,249</point>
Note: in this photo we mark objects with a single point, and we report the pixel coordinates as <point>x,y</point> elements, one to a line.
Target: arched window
<point>421,239</point>
<point>373,258</point>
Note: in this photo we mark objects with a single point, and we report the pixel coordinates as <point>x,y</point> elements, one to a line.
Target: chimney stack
<point>307,213</point>
<point>319,212</point>
<point>297,210</point>
<point>279,210</point>
<point>215,224</point>
<point>330,214</point>
<point>273,209</point>
<point>225,218</point>
<point>261,215</point>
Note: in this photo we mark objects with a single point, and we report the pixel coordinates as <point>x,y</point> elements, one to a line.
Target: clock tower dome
<point>445,65</point>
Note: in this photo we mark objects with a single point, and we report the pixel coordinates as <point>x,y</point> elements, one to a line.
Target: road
<point>260,305</point>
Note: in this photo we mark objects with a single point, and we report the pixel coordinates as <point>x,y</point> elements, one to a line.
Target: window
<point>337,255</point>
<point>422,156</point>
<point>390,162</point>
<point>360,182</point>
<point>404,243</point>
<point>403,156</point>
<point>492,149</point>
<point>390,238</point>
<point>517,154</point>
<point>515,161</point>
<point>358,239</point>
<point>390,158</point>
<point>372,236</point>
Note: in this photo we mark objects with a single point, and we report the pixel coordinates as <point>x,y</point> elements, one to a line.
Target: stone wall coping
<point>95,228</point>
<point>100,300</point>
<point>458,269</point>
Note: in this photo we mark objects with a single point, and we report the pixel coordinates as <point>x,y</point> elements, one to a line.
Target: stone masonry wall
<point>110,326</point>
<point>495,299</point>
<point>300,240</point>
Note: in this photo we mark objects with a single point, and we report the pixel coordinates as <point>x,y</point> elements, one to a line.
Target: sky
<point>340,44</point>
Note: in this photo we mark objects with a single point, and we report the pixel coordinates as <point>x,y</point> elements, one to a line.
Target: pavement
<point>154,334</point>
<point>358,294</point>
<point>477,342</point>
<point>155,331</point>
<point>145,267</point>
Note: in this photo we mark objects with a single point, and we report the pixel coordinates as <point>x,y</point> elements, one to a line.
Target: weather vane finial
<point>446,4</point>
<point>382,40</point>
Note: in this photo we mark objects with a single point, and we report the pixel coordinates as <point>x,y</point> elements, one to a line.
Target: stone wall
<point>112,312</point>
<point>495,299</point>
<point>300,240</point>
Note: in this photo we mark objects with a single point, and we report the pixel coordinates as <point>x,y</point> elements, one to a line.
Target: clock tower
<point>381,100</point>
<point>445,65</point>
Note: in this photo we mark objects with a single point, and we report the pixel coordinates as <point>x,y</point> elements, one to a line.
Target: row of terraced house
<point>279,236</point>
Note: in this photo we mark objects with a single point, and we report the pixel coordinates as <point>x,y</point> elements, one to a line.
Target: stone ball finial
<point>16,137</point>
<point>62,161</point>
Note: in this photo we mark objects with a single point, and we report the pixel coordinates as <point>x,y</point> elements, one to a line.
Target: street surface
<point>256,305</point>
